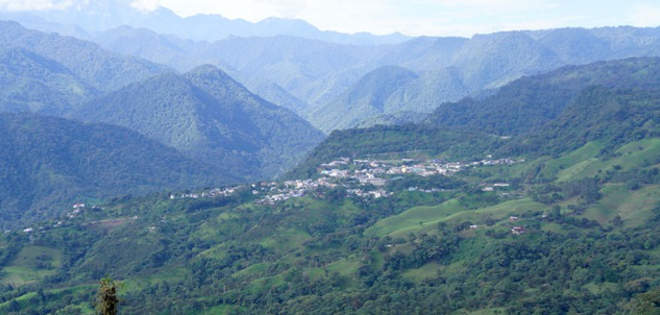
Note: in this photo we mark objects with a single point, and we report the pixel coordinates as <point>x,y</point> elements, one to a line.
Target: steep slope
<point>101,69</point>
<point>529,103</point>
<point>575,45</point>
<point>49,163</point>
<point>490,61</point>
<point>427,92</point>
<point>29,82</point>
<point>211,117</point>
<point>363,100</point>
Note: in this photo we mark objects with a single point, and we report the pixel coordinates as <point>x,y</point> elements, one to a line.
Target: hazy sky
<point>415,17</point>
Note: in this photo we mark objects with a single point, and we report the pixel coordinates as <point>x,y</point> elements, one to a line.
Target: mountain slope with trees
<point>29,82</point>
<point>50,163</point>
<point>97,67</point>
<point>212,118</point>
<point>527,104</point>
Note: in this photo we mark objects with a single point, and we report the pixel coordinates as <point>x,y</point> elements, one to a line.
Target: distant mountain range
<point>101,69</point>
<point>101,15</point>
<point>306,75</point>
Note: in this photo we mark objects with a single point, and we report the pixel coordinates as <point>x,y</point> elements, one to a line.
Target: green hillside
<point>526,105</point>
<point>49,163</point>
<point>101,69</point>
<point>363,100</point>
<point>29,82</point>
<point>211,118</point>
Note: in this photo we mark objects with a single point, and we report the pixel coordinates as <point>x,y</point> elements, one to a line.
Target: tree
<point>106,298</point>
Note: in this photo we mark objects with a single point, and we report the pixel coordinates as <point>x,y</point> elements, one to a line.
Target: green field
<point>32,264</point>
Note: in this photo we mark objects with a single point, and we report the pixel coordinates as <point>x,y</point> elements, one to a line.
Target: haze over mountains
<point>306,75</point>
<point>102,15</point>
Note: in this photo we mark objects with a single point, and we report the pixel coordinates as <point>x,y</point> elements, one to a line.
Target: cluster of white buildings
<point>354,175</point>
<point>214,193</point>
<point>291,189</point>
<point>380,193</point>
<point>366,170</point>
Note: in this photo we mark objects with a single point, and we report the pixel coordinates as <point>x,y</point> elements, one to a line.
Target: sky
<point>410,17</point>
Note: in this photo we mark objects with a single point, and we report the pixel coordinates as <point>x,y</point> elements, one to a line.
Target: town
<point>362,178</point>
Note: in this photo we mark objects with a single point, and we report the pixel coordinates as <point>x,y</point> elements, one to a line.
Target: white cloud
<point>26,5</point>
<point>146,5</point>
<point>645,15</point>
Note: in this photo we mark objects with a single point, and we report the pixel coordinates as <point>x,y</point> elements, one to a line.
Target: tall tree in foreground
<point>106,298</point>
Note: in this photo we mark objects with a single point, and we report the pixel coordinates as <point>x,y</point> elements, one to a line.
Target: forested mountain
<point>101,15</point>
<point>103,70</point>
<point>212,118</point>
<point>49,163</point>
<point>29,82</point>
<point>364,100</point>
<point>391,95</point>
<point>561,219</point>
<point>526,105</point>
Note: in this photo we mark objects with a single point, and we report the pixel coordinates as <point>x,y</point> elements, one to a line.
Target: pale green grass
<point>287,240</point>
<point>413,217</point>
<point>32,264</point>
<point>586,153</point>
<point>252,270</point>
<point>426,218</point>
<point>428,271</point>
<point>634,207</point>
<point>635,154</point>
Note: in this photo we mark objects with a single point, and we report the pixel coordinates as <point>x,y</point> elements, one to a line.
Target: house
<point>474,227</point>
<point>518,230</point>
<point>503,185</point>
<point>488,189</point>
<point>28,230</point>
<point>513,219</point>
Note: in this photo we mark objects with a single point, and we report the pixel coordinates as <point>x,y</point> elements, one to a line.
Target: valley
<point>204,165</point>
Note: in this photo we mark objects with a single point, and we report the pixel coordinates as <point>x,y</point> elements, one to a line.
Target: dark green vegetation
<point>585,201</point>
<point>50,163</point>
<point>212,118</point>
<point>528,104</point>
